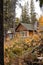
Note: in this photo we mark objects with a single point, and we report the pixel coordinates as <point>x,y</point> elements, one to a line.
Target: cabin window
<point>23,33</point>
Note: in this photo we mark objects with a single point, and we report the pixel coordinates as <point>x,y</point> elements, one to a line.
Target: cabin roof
<point>27,26</point>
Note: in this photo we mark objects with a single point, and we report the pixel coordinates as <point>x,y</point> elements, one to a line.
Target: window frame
<point>23,33</point>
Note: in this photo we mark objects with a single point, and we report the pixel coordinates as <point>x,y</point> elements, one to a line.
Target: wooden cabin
<point>25,30</point>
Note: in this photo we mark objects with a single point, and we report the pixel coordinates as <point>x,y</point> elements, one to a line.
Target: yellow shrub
<point>27,40</point>
<point>36,37</point>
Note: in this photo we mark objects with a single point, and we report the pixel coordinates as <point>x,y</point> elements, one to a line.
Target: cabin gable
<point>20,28</point>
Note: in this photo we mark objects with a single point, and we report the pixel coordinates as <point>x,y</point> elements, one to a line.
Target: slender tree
<point>25,16</point>
<point>32,14</point>
<point>6,14</point>
<point>13,4</point>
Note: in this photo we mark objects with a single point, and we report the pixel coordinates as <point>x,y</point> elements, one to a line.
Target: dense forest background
<point>20,50</point>
<point>9,13</point>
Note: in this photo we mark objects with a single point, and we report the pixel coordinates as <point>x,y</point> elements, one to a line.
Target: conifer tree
<point>25,16</point>
<point>32,14</point>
